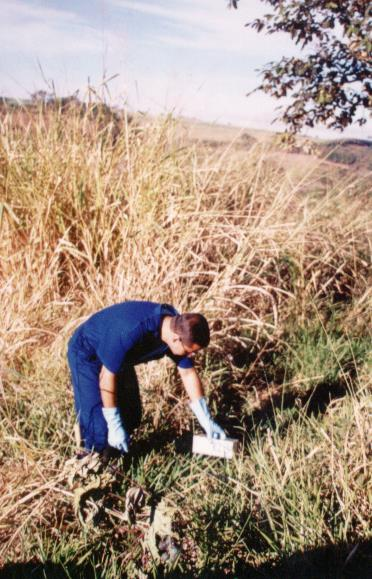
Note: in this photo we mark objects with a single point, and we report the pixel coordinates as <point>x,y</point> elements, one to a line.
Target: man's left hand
<point>201,411</point>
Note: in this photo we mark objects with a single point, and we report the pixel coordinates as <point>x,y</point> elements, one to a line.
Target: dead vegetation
<point>280,265</point>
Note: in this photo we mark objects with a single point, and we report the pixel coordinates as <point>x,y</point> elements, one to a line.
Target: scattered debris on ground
<point>93,483</point>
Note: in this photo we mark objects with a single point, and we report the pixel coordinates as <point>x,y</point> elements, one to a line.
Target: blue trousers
<point>85,369</point>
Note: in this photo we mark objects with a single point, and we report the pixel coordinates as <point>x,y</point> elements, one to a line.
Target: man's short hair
<point>192,329</point>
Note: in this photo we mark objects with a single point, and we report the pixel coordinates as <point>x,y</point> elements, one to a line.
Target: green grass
<point>311,357</point>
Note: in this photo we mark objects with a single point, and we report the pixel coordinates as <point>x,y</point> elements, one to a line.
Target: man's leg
<point>88,401</point>
<point>129,400</point>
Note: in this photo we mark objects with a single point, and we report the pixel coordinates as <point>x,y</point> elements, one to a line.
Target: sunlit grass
<point>96,210</point>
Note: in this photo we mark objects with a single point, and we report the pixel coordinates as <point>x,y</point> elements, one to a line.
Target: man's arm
<point>198,404</point>
<point>117,437</point>
<point>192,383</point>
<point>107,386</point>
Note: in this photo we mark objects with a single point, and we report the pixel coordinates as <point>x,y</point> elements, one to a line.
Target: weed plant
<point>97,209</point>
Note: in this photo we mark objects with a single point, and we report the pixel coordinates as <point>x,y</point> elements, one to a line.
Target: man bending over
<point>102,353</point>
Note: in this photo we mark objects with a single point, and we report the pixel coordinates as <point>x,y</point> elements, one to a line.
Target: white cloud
<point>17,9</point>
<point>205,15</point>
<point>32,30</point>
<point>40,43</point>
<point>209,25</point>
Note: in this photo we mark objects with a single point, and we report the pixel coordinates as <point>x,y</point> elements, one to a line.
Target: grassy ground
<point>95,211</point>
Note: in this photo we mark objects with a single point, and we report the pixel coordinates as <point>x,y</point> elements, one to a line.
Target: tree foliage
<point>332,83</point>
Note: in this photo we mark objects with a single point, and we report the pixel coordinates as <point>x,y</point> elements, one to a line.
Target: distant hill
<point>355,153</point>
<point>348,152</point>
<point>340,152</point>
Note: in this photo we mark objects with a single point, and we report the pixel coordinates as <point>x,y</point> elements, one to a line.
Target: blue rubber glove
<point>117,437</point>
<point>201,411</point>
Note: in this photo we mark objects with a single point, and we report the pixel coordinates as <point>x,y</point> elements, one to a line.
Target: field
<point>273,247</point>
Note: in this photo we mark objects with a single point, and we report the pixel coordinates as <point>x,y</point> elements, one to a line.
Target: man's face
<point>180,349</point>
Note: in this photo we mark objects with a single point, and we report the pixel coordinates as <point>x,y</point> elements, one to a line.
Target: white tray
<point>214,446</point>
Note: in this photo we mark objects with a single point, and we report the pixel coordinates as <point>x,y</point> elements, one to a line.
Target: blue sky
<point>191,57</point>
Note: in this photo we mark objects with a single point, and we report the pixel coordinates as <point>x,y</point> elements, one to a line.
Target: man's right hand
<point>117,437</point>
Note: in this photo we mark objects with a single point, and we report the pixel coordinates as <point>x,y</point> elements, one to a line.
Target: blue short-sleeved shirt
<point>127,333</point>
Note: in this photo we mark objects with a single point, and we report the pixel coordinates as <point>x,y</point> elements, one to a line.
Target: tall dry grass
<point>96,210</point>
